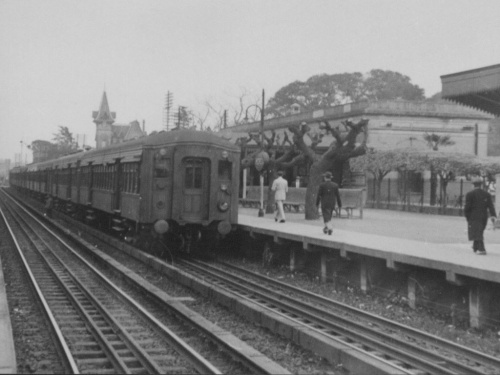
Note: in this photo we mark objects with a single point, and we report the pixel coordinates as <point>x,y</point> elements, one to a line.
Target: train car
<point>177,188</point>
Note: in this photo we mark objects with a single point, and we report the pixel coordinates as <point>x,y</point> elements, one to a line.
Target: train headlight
<point>161,226</point>
<point>224,154</point>
<point>224,227</point>
<point>223,206</point>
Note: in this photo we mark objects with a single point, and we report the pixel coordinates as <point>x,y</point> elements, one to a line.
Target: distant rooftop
<point>477,88</point>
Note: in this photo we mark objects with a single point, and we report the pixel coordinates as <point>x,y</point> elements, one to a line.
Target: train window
<point>130,178</point>
<point>193,175</point>
<point>225,170</point>
<point>110,177</point>
<point>99,177</point>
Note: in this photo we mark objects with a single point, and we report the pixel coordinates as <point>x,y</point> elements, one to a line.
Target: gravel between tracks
<point>280,350</point>
<point>394,307</point>
<point>294,358</point>
<point>34,346</point>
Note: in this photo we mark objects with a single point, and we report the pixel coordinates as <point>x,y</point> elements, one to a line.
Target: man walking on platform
<point>327,194</point>
<point>477,204</point>
<point>280,187</point>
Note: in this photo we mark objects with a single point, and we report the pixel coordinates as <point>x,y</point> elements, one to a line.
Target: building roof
<point>104,114</point>
<point>477,88</point>
<point>125,132</point>
<point>441,109</point>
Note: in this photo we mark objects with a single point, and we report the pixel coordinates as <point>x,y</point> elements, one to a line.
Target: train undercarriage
<point>175,239</point>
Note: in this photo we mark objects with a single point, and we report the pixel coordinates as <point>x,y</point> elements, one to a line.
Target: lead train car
<point>178,186</point>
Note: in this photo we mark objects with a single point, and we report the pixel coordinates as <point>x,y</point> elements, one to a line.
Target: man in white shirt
<point>280,187</point>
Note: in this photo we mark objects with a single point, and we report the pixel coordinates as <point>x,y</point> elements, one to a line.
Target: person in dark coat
<point>328,193</point>
<point>49,204</point>
<point>477,204</point>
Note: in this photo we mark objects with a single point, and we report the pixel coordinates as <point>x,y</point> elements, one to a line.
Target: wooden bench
<point>250,203</point>
<point>352,199</point>
<point>287,206</point>
<point>294,206</point>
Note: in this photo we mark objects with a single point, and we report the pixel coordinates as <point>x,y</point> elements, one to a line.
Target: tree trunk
<point>271,173</point>
<point>444,186</point>
<point>433,187</point>
<point>378,191</point>
<point>315,178</point>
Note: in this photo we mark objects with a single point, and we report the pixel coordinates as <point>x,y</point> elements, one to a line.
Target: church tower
<point>104,120</point>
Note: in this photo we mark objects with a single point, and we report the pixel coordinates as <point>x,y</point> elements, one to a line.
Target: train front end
<point>194,188</point>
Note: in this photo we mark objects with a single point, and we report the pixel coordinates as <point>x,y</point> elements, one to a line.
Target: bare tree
<point>343,147</point>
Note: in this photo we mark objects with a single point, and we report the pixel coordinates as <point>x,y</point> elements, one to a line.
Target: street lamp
<point>262,157</point>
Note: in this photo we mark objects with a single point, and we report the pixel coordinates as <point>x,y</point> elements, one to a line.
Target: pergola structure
<point>477,88</point>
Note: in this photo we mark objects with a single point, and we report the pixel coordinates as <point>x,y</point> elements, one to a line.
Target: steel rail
<point>201,364</point>
<point>471,354</point>
<point>111,354</point>
<point>374,339</point>
<point>71,363</point>
<point>253,361</point>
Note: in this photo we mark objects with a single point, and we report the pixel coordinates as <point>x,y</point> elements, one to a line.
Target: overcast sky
<point>57,57</point>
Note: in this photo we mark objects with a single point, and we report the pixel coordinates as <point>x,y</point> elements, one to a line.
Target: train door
<point>196,189</point>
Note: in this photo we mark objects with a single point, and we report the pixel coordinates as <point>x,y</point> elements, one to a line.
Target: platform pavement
<point>7,350</point>
<point>431,241</point>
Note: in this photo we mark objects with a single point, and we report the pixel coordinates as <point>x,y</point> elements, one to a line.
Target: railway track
<point>102,328</point>
<point>407,350</point>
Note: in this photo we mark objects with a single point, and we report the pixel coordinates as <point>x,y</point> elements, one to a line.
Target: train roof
<point>132,150</point>
<point>188,136</point>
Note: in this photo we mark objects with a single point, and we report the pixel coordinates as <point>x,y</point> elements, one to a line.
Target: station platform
<point>401,241</point>
<point>7,350</point>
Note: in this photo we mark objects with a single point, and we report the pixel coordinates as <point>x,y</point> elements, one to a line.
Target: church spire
<point>104,115</point>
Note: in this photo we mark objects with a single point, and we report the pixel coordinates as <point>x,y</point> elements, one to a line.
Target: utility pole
<point>169,99</point>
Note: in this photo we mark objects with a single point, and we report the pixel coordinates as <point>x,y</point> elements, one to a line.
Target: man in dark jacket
<point>477,204</point>
<point>49,204</point>
<point>327,194</point>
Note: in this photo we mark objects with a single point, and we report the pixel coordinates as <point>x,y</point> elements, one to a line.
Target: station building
<point>478,89</point>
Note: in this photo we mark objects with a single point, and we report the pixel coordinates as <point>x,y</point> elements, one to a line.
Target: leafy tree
<point>64,141</point>
<point>325,90</point>
<point>387,85</point>
<point>379,163</point>
<point>434,141</point>
<point>449,165</point>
